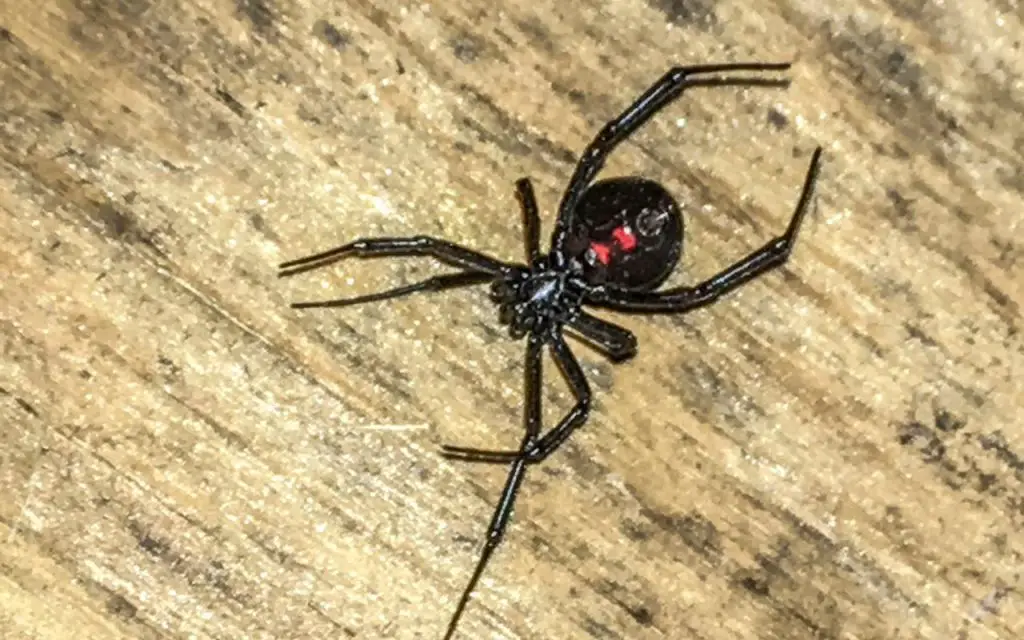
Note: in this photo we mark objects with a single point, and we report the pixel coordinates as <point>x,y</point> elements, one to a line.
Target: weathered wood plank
<point>834,452</point>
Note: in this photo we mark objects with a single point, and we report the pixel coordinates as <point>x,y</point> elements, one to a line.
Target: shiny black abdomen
<point>627,232</point>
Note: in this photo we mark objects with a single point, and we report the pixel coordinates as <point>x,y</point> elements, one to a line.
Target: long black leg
<point>554,438</point>
<point>447,252</point>
<point>437,283</point>
<point>679,299</point>
<point>531,219</point>
<point>502,513</point>
<point>667,89</point>
<point>617,343</point>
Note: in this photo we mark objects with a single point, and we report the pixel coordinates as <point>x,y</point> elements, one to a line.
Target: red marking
<point>602,251</point>
<point>624,238</point>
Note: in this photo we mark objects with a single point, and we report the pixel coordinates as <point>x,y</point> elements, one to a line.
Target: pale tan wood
<point>835,451</point>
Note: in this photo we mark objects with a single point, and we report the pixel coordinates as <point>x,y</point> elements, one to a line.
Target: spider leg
<point>617,343</point>
<point>664,91</point>
<point>531,219</point>
<point>546,445</point>
<point>679,299</point>
<point>437,283</point>
<point>503,511</point>
<point>443,250</point>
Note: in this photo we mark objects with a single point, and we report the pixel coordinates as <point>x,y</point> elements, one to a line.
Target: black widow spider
<point>614,243</point>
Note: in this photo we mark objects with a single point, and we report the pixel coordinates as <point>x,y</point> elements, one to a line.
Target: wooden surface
<point>836,451</point>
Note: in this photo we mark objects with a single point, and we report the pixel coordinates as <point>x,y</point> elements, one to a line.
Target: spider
<point>615,242</point>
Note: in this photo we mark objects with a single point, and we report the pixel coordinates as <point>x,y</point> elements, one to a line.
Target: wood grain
<point>836,451</point>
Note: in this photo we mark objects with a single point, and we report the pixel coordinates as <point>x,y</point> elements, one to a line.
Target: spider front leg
<point>664,91</point>
<point>546,445</point>
<point>677,300</point>
<point>443,250</point>
<point>479,267</point>
<point>437,283</point>
<point>503,511</point>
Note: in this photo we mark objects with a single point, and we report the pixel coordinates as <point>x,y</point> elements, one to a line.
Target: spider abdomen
<point>628,232</point>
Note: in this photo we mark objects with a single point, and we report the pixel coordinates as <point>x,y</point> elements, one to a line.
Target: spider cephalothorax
<point>615,242</point>
<point>538,299</point>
